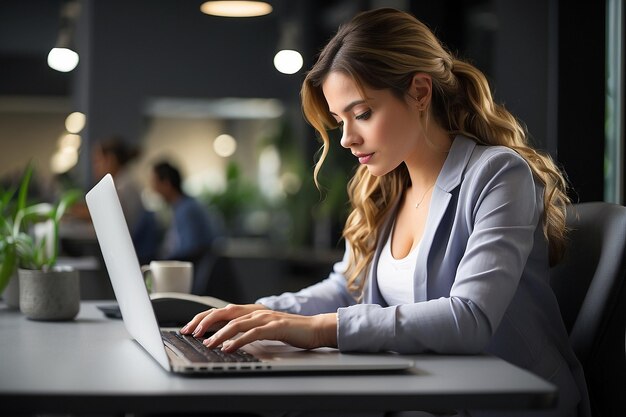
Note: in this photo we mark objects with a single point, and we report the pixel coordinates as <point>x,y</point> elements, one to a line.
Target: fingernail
<point>226,346</point>
<point>208,341</point>
<point>185,329</point>
<point>197,331</point>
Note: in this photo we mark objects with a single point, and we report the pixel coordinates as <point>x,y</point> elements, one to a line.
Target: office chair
<point>589,286</point>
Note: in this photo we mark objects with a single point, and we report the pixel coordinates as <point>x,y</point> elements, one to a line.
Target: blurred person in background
<point>114,155</point>
<point>191,232</point>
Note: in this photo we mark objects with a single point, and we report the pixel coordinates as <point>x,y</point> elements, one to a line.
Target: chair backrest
<point>589,285</point>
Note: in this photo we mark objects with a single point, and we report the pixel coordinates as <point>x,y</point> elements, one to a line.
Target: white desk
<point>104,371</point>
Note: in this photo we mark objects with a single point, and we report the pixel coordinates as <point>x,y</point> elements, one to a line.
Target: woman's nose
<point>349,137</point>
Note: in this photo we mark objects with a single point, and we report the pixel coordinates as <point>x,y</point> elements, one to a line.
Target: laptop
<point>185,354</point>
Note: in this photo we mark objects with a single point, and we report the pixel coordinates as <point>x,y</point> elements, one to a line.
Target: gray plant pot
<point>49,295</point>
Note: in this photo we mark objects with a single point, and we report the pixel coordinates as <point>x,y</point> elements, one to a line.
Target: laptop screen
<point>123,268</point>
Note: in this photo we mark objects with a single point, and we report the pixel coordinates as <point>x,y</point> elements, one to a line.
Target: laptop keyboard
<point>196,352</point>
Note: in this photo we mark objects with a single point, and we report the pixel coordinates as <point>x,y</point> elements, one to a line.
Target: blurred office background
<point>203,91</point>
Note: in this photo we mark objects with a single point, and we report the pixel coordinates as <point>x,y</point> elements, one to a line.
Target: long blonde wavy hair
<point>384,49</point>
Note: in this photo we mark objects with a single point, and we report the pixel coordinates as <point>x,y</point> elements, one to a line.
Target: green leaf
<point>5,227</point>
<point>25,249</point>
<point>23,193</point>
<point>5,200</point>
<point>37,212</point>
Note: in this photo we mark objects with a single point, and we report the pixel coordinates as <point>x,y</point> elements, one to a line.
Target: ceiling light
<point>75,122</point>
<point>224,145</point>
<point>288,61</point>
<point>63,160</point>
<point>70,140</point>
<point>236,8</point>
<point>63,57</point>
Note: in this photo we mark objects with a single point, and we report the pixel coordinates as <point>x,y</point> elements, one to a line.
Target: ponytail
<point>475,115</point>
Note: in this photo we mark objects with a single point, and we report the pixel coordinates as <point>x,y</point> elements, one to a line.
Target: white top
<point>395,276</point>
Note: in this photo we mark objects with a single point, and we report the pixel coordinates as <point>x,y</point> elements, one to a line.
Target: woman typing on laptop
<point>455,217</point>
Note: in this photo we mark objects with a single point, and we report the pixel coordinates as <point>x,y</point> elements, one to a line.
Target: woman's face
<point>380,129</point>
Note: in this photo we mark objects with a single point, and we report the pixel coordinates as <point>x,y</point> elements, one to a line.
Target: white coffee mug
<point>168,276</point>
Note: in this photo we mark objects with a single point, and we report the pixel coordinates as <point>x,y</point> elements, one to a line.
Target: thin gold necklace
<point>417,205</point>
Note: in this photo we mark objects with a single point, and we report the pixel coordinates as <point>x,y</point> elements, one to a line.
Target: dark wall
<point>581,97</point>
<point>526,54</point>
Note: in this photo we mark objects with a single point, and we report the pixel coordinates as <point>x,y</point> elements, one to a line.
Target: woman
<point>455,218</point>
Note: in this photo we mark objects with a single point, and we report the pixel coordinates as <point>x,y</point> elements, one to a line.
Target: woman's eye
<point>364,116</point>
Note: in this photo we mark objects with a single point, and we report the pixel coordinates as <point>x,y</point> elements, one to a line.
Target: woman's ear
<point>421,89</point>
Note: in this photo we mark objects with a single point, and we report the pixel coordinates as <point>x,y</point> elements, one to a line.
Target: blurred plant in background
<point>238,197</point>
<point>295,211</point>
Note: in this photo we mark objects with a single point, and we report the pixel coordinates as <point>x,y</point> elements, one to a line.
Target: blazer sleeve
<point>498,211</point>
<point>324,297</point>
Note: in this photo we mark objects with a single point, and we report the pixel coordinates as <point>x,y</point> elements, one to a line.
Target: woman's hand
<point>255,322</point>
<point>208,319</point>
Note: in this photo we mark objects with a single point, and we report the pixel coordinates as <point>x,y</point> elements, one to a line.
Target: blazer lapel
<point>449,178</point>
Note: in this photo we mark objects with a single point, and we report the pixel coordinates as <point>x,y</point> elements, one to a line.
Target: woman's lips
<point>364,158</point>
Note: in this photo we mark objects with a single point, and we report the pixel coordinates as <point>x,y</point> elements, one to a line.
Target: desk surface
<point>103,370</point>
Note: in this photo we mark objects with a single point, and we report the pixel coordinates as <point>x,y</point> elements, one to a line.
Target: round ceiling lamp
<point>62,59</point>
<point>224,145</point>
<point>288,61</point>
<point>75,122</point>
<point>236,8</point>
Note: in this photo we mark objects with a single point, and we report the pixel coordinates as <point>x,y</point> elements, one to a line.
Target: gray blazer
<point>480,282</point>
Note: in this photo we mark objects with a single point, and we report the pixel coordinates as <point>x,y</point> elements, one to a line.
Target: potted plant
<point>47,292</point>
<point>30,244</point>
